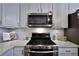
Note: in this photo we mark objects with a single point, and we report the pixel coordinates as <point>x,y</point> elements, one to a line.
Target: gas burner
<point>41,39</point>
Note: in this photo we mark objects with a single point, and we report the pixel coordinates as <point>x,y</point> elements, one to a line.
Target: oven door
<point>40,51</point>
<point>43,53</point>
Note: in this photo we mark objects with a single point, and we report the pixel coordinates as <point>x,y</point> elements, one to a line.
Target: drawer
<point>68,54</point>
<point>68,50</point>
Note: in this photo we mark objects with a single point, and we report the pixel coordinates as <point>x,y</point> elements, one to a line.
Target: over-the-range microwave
<point>40,20</point>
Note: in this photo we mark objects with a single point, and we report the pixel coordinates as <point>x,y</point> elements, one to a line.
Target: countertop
<point>65,43</point>
<point>10,44</point>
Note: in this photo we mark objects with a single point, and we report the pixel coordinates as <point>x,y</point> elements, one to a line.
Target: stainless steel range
<point>41,45</point>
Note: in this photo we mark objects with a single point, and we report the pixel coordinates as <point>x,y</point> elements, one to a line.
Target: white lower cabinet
<point>68,51</point>
<point>8,53</point>
<point>68,54</point>
<point>15,51</point>
<point>18,51</point>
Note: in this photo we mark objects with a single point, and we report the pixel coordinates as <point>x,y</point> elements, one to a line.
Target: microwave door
<point>40,20</point>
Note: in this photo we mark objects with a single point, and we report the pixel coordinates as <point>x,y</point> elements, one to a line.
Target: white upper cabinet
<point>40,7</point>
<point>11,14</point>
<point>60,15</point>
<point>59,10</point>
<point>34,7</point>
<point>0,14</point>
<point>46,7</point>
<point>73,7</point>
<point>24,14</point>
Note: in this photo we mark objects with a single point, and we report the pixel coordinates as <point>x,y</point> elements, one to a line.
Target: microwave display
<point>40,20</point>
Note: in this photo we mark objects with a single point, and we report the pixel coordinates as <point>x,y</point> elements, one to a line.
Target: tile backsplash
<point>57,33</point>
<point>22,33</point>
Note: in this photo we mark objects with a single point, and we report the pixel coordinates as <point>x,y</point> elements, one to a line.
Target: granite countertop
<point>65,43</point>
<point>8,45</point>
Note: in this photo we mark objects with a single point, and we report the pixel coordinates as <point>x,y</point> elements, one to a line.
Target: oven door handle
<point>41,51</point>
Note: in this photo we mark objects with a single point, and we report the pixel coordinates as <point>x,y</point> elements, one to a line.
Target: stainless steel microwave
<point>40,20</point>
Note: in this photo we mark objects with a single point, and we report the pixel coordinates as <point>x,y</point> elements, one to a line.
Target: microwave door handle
<point>48,19</point>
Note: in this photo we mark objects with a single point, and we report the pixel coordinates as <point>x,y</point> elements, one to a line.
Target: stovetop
<point>41,41</point>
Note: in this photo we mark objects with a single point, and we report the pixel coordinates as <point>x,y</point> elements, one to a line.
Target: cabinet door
<point>34,7</point>
<point>8,53</point>
<point>24,14</point>
<point>60,15</point>
<point>18,51</point>
<point>68,54</point>
<point>0,14</point>
<point>46,7</point>
<point>11,14</point>
<point>70,51</point>
<point>73,7</point>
